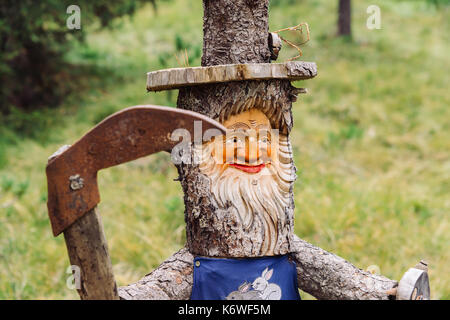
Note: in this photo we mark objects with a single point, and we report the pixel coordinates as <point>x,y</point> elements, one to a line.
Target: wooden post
<point>88,250</point>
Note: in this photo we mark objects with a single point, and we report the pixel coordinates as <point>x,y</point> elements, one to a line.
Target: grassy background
<point>371,142</point>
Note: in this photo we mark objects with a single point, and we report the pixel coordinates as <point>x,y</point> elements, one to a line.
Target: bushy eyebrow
<point>263,126</point>
<point>239,125</point>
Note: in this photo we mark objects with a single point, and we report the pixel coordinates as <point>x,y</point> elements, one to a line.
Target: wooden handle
<point>88,250</point>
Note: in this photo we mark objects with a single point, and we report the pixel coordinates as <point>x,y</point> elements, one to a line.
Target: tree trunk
<point>235,31</point>
<point>214,231</point>
<point>345,18</point>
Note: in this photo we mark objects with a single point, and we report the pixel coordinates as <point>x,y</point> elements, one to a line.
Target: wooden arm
<point>320,273</point>
<point>330,277</point>
<point>172,280</point>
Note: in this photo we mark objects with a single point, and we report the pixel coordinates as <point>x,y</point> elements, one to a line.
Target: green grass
<point>371,142</point>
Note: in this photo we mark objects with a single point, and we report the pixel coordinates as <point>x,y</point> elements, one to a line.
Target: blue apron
<point>266,278</point>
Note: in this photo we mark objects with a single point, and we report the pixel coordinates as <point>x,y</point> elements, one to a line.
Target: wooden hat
<point>242,87</point>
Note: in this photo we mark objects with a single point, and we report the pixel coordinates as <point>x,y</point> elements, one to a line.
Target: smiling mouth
<point>247,168</point>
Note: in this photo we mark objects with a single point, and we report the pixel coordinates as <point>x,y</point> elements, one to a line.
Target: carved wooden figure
<point>238,187</point>
<point>218,222</point>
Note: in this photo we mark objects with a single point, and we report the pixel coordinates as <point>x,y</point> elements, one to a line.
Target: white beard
<point>264,195</point>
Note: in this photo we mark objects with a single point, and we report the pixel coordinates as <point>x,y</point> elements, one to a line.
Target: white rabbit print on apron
<point>262,289</point>
<point>265,278</point>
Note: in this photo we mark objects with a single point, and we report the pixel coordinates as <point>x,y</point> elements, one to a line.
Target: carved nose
<point>248,153</point>
<point>252,152</point>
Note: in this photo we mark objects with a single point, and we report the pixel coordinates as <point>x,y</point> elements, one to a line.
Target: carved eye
<point>234,140</point>
<point>264,140</point>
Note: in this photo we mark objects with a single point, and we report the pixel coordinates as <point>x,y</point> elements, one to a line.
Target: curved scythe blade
<point>124,136</point>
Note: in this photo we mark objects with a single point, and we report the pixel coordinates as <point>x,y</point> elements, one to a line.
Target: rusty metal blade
<point>124,136</point>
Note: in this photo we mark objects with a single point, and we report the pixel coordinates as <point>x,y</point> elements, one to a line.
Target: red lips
<point>248,169</point>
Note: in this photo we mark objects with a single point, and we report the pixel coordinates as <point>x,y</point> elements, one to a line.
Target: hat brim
<point>177,78</point>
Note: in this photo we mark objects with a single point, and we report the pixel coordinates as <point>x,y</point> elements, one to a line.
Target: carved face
<point>251,171</point>
<point>248,144</point>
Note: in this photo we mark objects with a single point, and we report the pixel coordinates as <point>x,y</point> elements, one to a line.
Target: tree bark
<point>345,18</point>
<point>235,31</point>
<point>172,280</point>
<point>329,277</point>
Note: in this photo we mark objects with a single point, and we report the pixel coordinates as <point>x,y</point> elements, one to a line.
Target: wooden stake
<point>87,249</point>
